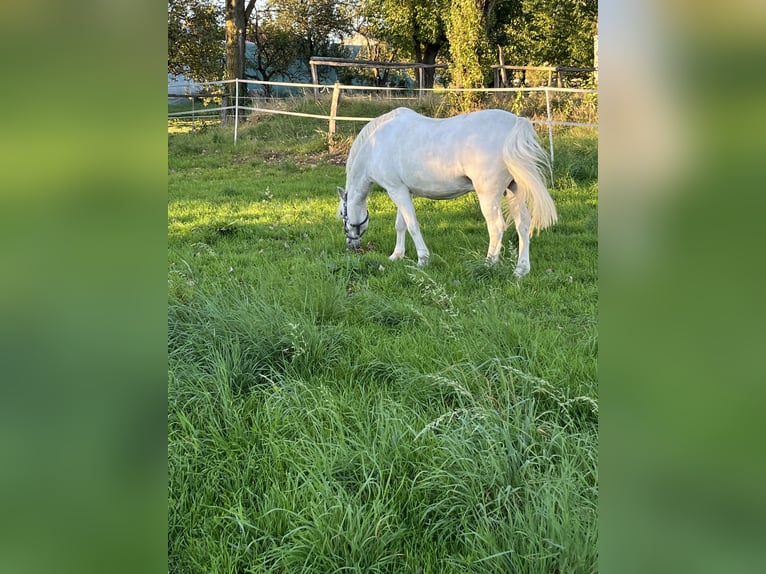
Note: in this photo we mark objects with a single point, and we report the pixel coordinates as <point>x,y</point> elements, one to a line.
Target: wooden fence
<point>241,105</point>
<point>317,61</point>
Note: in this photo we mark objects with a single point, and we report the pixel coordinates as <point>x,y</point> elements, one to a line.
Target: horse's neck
<point>358,183</point>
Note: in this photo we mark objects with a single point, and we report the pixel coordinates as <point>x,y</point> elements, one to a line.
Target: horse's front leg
<point>401,230</point>
<point>406,215</point>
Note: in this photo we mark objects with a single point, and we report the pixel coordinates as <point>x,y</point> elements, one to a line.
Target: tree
<point>195,34</point>
<point>416,29</point>
<point>237,14</point>
<point>470,25</point>
<point>316,25</point>
<point>467,42</point>
<point>374,50</point>
<point>419,29</point>
<point>275,48</point>
<point>559,32</point>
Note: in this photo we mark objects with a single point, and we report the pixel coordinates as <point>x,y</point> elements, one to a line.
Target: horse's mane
<point>368,130</point>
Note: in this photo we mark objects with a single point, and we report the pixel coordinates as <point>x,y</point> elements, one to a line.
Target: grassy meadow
<point>333,411</point>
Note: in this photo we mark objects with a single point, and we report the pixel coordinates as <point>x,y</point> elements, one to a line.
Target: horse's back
<point>419,131</point>
<point>483,120</point>
<point>432,156</point>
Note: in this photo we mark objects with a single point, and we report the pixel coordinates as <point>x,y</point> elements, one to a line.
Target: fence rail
<point>242,105</point>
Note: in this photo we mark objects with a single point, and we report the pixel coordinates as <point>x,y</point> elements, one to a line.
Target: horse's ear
<point>342,194</point>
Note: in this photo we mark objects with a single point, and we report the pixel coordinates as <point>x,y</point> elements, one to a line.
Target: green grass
<point>332,411</point>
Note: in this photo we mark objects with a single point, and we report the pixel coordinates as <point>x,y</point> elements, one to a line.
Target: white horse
<point>489,151</point>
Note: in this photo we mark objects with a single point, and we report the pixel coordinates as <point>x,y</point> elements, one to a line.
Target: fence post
<point>503,76</point>
<point>333,113</point>
<point>314,79</point>
<point>236,108</point>
<point>550,128</point>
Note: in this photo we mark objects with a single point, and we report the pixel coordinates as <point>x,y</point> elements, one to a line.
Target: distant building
<point>179,84</point>
<point>299,72</point>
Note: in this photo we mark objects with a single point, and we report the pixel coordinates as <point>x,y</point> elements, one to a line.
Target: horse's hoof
<point>423,262</point>
<point>520,272</point>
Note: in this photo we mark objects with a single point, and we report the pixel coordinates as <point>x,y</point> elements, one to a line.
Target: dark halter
<point>358,226</point>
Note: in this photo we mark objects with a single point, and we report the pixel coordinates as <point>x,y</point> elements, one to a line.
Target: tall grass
<point>332,411</point>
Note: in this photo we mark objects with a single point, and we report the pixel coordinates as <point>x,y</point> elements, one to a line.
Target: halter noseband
<point>358,226</point>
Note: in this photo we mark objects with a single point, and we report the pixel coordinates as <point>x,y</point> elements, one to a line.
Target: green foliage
<point>468,52</point>
<point>408,25</point>
<point>532,31</point>
<point>276,49</point>
<point>195,34</point>
<point>334,410</point>
<point>415,30</point>
<point>557,32</point>
<point>313,25</point>
<point>377,51</point>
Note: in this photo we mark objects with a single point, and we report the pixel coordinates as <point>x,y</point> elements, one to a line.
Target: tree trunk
<point>232,65</point>
<point>429,57</point>
<point>237,13</point>
<point>426,54</point>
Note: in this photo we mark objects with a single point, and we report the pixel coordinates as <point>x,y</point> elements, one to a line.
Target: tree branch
<point>249,9</point>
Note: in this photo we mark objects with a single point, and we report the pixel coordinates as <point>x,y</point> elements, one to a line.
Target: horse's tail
<point>526,160</point>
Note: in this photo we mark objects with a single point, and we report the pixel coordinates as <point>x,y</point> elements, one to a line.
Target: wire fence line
<point>577,108</point>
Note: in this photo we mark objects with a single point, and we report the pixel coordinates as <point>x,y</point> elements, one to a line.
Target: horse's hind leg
<point>493,213</point>
<point>518,210</point>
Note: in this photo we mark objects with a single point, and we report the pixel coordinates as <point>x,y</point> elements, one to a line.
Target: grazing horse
<point>493,152</point>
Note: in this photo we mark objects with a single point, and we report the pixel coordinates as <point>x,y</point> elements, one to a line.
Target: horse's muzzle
<point>353,243</point>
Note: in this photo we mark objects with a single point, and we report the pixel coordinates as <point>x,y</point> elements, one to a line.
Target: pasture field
<point>332,411</point>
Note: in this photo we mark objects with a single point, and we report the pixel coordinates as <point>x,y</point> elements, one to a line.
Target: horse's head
<point>354,223</point>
